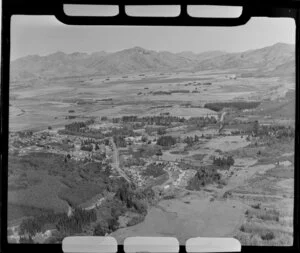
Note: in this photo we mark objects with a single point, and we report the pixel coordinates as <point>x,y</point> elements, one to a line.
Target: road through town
<point>116,160</point>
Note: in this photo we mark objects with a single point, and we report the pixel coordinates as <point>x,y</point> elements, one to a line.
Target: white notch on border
<point>214,11</point>
<point>151,244</point>
<point>87,10</point>
<point>153,10</point>
<point>211,244</point>
<point>89,244</point>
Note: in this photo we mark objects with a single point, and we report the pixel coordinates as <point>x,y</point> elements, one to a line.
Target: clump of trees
<point>77,126</point>
<point>189,140</point>
<point>81,129</point>
<point>203,177</point>
<point>223,162</point>
<point>240,105</point>
<point>161,120</point>
<point>105,226</point>
<point>166,140</point>
<point>135,199</point>
<point>201,121</point>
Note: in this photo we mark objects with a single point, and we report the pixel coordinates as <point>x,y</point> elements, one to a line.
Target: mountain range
<point>276,59</point>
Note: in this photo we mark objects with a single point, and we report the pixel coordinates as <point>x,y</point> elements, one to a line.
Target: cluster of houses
<point>51,142</point>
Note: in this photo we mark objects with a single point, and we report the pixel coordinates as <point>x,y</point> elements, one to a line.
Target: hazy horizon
<point>44,35</point>
<point>137,46</point>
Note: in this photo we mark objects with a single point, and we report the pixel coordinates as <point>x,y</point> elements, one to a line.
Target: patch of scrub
<point>227,143</point>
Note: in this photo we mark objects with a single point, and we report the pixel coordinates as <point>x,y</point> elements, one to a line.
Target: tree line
<point>63,223</point>
<point>240,105</point>
<point>150,120</point>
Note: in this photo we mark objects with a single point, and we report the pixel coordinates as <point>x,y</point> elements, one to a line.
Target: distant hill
<point>201,56</point>
<point>278,58</point>
<point>138,59</point>
<point>267,58</point>
<point>285,69</point>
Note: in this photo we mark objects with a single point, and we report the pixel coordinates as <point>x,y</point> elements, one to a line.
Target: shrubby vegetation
<point>154,170</point>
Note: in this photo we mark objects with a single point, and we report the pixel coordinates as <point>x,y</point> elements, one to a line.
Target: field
<point>164,166</point>
<point>187,217</point>
<point>90,97</point>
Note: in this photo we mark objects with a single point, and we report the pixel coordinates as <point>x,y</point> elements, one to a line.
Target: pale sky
<point>44,35</point>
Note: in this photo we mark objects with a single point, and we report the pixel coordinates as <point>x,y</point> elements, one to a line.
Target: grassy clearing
<point>42,195</point>
<point>80,193</point>
<point>40,161</point>
<point>281,172</point>
<point>198,157</point>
